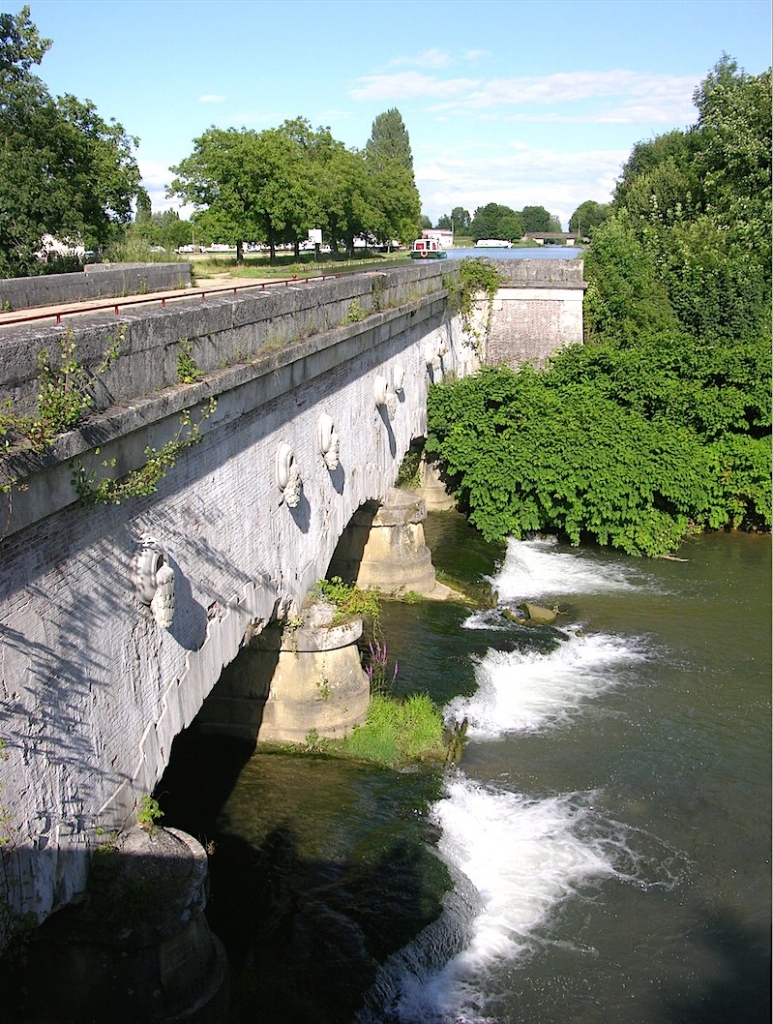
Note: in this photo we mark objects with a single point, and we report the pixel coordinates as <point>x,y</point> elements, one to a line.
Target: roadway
<point>221,284</point>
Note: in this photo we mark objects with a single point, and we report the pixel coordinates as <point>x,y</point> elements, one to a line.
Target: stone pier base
<point>292,679</point>
<point>138,947</point>
<point>383,547</point>
<point>433,489</point>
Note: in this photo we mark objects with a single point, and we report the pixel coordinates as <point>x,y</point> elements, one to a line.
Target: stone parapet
<point>97,281</point>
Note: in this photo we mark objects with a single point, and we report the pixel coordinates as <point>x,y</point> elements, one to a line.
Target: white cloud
<point>603,97</point>
<point>409,85</point>
<point>519,176</point>
<point>212,98</point>
<point>155,179</point>
<point>433,58</point>
<point>476,54</point>
<point>331,115</point>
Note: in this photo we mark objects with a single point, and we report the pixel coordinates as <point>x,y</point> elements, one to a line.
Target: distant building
<point>443,235</point>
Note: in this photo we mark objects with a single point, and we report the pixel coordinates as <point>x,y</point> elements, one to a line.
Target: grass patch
<point>398,731</point>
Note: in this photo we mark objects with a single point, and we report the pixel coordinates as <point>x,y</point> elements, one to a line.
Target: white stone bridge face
<point>117,620</point>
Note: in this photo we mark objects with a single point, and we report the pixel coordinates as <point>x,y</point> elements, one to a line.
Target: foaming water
<point>516,858</point>
<point>521,859</point>
<point>525,691</point>
<point>534,568</point>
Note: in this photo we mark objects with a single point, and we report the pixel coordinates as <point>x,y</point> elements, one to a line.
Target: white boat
<point>428,249</point>
<point>493,243</point>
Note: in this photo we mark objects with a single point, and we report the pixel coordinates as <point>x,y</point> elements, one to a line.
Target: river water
<point>535,252</point>
<point>601,853</point>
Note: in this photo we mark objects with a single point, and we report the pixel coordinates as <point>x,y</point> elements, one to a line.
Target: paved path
<point>221,283</point>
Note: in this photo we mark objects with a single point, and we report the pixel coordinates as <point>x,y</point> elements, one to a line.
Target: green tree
<point>389,141</point>
<point>733,157</point>
<point>535,218</point>
<point>395,200</point>
<point>496,221</point>
<point>394,196</point>
<point>445,223</point>
<point>310,153</point>
<point>699,204</point>
<point>587,216</point>
<point>144,207</point>
<point>349,203</point>
<point>425,221</point>
<point>64,171</point>
<point>666,164</point>
<point>460,220</point>
<point>247,186</point>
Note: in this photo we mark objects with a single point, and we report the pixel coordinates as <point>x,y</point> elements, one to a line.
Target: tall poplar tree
<point>389,141</point>
<point>390,165</point>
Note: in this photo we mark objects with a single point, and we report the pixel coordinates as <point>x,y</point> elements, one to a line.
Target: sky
<point>518,102</point>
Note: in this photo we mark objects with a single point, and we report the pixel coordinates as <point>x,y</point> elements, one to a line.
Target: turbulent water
<point>606,834</point>
<point>609,825</point>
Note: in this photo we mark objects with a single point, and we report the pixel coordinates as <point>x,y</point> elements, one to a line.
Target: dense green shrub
<point>606,446</point>
<point>660,423</point>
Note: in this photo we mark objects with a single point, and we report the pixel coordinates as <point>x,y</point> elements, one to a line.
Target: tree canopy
<point>496,221</point>
<point>273,186</point>
<point>535,218</point>
<point>389,141</point>
<point>660,424</point>
<point>64,171</point>
<point>588,216</point>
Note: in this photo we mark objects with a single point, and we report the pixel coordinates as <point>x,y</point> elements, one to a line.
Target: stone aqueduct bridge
<point>117,621</point>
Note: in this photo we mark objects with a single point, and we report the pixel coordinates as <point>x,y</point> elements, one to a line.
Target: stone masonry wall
<point>93,686</point>
<point>537,310</point>
<point>98,281</point>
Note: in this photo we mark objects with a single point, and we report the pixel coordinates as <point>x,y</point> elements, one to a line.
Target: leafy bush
<point>587,448</point>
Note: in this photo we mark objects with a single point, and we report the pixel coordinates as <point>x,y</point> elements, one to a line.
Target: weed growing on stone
<point>149,814</point>
<point>145,480</point>
<point>187,370</point>
<point>348,599</point>
<point>356,312</point>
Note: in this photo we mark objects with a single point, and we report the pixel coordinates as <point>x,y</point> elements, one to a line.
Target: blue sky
<point>507,101</point>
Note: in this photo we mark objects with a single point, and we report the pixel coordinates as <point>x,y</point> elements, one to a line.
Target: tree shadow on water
<point>305,934</point>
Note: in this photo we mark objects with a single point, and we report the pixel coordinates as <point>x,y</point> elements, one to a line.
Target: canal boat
<point>428,249</point>
<point>493,243</point>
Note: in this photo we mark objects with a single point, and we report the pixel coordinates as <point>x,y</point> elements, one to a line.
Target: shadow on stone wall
<point>136,947</point>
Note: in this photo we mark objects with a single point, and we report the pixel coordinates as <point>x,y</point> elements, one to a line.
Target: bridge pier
<point>295,677</point>
<point>137,947</point>
<point>383,547</point>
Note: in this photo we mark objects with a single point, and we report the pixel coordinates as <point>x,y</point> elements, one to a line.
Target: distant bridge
<point>556,237</point>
